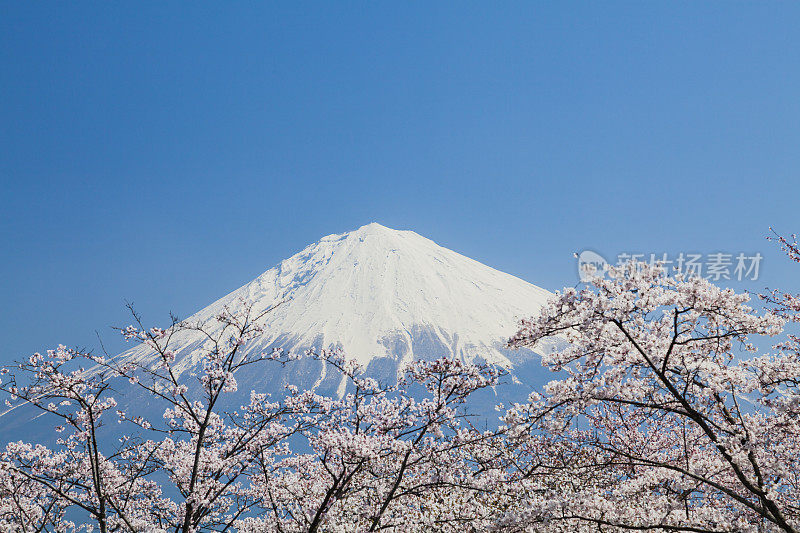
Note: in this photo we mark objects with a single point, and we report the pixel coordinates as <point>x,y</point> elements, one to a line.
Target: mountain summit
<point>384,297</point>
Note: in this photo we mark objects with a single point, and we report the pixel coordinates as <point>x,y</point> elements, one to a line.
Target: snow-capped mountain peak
<point>381,294</point>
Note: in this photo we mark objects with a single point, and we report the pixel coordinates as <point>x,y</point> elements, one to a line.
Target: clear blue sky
<point>167,154</point>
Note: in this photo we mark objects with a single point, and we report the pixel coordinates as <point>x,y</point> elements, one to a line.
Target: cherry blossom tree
<point>183,472</point>
<point>381,459</point>
<point>400,457</point>
<point>663,416</point>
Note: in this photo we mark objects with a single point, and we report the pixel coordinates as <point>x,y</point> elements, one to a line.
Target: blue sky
<point>167,154</point>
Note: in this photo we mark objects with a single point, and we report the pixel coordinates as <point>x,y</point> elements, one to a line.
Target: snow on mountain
<point>383,296</point>
<point>380,295</point>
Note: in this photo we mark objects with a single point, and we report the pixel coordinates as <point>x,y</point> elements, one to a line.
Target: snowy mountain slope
<point>381,294</point>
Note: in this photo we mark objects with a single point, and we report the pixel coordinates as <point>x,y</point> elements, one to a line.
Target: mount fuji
<point>383,297</point>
